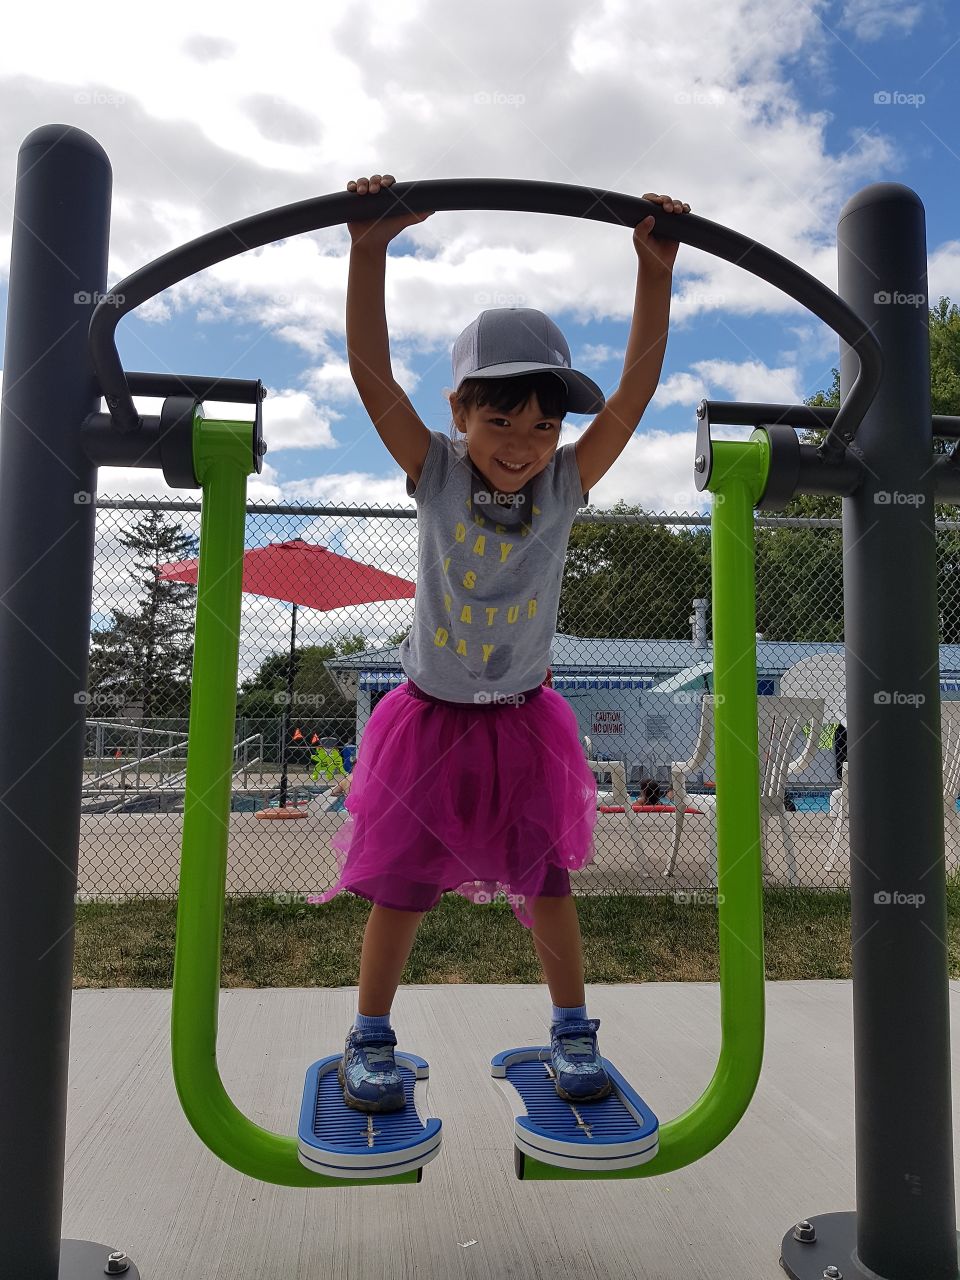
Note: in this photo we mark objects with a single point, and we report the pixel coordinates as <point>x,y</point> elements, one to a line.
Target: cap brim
<point>583,394</point>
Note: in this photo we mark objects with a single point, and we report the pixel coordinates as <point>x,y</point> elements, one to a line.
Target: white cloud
<point>615,97</point>
<point>871,19</point>
<point>943,272</point>
<point>749,380</point>
<point>564,104</point>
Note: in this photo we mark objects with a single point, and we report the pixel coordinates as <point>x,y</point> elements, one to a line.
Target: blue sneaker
<point>368,1073</point>
<point>579,1070</point>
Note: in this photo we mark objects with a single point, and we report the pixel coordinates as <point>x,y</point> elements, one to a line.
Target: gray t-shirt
<point>489,572</point>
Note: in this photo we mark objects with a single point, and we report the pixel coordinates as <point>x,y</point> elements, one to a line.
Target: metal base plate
<point>835,1245</point>
<point>339,1142</point>
<point>617,1132</point>
<point>85,1260</point>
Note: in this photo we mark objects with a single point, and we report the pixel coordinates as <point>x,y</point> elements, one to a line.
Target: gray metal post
<point>904,1227</point>
<point>47,486</point>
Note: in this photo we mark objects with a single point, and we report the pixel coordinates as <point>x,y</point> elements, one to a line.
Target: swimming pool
<point>252,802</point>
<point>815,800</point>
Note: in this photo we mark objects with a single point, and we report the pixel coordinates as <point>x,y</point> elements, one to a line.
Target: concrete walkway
<point>138,1178</point>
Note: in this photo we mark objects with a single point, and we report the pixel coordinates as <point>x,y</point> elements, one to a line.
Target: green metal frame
<point>222,461</point>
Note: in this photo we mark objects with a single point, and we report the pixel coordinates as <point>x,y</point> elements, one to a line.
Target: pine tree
<point>146,656</point>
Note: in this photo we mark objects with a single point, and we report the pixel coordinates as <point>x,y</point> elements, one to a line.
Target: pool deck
<point>137,1178</point>
<point>140,853</point>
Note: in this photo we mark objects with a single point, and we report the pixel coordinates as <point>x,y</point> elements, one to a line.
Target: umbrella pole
<point>288,704</point>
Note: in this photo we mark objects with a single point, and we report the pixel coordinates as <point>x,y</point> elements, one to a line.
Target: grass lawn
<point>632,938</point>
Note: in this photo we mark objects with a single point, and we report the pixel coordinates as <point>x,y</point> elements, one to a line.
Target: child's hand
<point>656,254</point>
<point>379,231</point>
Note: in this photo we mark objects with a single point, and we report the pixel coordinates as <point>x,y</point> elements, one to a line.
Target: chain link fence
<point>632,655</point>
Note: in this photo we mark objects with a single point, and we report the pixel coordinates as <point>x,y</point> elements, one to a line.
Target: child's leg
<point>387,942</point>
<point>556,936</point>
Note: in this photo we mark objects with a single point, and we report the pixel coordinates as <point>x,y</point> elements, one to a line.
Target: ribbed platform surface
<point>616,1132</point>
<point>340,1142</point>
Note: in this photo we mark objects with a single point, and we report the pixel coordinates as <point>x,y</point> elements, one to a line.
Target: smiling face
<point>524,434</point>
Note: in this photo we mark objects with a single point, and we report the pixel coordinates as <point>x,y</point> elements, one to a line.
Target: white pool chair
<point>780,719</point>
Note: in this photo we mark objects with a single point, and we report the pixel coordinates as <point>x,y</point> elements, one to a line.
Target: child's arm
<point>606,437</point>
<point>368,345</point>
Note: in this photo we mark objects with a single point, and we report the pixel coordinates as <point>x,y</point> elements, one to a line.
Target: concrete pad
<point>138,1178</point>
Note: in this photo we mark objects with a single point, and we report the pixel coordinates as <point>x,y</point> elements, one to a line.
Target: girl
<point>470,776</point>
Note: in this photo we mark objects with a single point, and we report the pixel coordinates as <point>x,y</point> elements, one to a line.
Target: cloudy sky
<point>765,117</point>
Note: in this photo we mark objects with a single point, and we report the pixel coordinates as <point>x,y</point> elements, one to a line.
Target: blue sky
<point>764,119</point>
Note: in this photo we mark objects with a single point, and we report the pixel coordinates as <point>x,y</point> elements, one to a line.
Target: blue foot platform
<point>617,1132</point>
<point>339,1142</point>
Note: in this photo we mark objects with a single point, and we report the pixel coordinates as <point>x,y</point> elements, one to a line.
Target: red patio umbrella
<point>302,573</point>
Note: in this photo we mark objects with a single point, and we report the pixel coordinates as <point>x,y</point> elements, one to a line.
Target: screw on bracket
<point>832,1273</point>
<point>700,462</point>
<point>117,1263</point>
<point>805,1231</point>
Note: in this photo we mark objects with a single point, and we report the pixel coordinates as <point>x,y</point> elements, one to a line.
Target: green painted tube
<point>737,481</point>
<point>222,460</point>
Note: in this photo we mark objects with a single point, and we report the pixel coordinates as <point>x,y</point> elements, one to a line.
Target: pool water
<point>810,801</point>
<point>253,802</point>
<point>813,801</point>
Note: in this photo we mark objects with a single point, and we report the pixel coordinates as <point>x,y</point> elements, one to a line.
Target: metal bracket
<point>166,440</point>
<point>784,474</point>
<point>703,464</point>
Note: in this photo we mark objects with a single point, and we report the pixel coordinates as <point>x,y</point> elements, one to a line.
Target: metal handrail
<point>175,779</point>
<point>154,755</point>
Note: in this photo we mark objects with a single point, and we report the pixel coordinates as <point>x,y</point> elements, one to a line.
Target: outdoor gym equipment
<point>52,440</point>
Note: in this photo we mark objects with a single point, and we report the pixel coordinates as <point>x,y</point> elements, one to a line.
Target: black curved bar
<point>515,195</point>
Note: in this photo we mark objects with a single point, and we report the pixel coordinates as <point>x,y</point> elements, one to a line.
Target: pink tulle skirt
<point>480,799</point>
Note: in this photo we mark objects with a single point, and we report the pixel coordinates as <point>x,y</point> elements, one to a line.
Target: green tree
<point>800,571</point>
<point>632,579</point>
<point>318,707</point>
<point>639,579</point>
<point>145,656</point>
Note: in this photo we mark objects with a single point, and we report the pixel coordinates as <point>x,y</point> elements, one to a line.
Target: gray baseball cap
<point>507,341</point>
